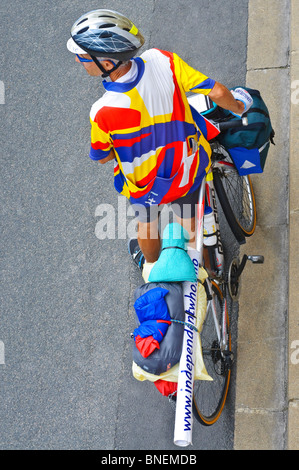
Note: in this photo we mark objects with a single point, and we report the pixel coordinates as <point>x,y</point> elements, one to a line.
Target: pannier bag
<point>171,345</point>
<point>249,145</point>
<point>160,315</point>
<point>158,341</point>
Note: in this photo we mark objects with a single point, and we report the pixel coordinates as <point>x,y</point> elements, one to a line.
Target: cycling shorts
<point>184,208</point>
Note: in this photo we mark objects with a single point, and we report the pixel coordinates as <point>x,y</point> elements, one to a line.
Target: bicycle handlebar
<point>229,124</point>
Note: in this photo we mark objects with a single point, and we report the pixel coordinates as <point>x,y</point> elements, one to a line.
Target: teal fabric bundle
<point>174,263</point>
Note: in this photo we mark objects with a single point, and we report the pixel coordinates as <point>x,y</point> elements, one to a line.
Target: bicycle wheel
<point>236,197</point>
<point>209,396</point>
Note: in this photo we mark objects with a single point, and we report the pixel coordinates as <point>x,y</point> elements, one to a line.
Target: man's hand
<point>242,95</point>
<point>110,157</point>
<point>224,98</point>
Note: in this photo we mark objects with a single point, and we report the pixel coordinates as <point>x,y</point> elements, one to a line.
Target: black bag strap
<point>257,110</point>
<point>169,247</point>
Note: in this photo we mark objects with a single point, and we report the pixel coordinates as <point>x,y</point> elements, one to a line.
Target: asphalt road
<point>66,296</point>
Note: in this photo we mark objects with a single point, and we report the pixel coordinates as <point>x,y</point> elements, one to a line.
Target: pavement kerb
<point>267,405</point>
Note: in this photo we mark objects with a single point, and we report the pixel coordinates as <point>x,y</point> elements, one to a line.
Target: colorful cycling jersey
<point>160,153</point>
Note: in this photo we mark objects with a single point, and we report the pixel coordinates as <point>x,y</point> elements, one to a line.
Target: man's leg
<point>147,246</point>
<point>149,240</point>
<point>185,212</point>
<point>189,225</point>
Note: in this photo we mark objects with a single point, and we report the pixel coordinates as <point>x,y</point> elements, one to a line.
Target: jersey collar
<point>123,87</point>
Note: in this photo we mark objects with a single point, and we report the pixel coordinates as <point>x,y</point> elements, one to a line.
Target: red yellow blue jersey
<point>160,153</point>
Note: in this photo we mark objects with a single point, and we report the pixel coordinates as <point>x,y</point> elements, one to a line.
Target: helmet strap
<point>106,73</point>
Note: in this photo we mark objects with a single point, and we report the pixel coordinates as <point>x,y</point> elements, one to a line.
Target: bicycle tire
<point>236,196</point>
<point>209,397</point>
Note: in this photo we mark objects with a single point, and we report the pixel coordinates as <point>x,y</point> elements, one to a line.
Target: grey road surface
<point>66,296</point>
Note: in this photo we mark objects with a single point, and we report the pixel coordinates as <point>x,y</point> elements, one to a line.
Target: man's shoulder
<point>106,100</point>
<point>97,105</point>
<point>109,100</point>
<point>155,53</point>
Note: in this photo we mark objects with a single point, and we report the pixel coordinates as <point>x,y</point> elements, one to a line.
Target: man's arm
<point>110,157</point>
<point>224,98</point>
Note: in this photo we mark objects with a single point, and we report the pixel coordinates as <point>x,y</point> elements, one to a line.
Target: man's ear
<point>107,64</point>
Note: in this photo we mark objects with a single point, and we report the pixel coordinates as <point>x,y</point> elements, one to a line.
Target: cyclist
<point>144,123</point>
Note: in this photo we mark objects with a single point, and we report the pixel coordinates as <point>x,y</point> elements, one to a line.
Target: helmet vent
<point>83,30</point>
<point>106,25</point>
<point>82,21</point>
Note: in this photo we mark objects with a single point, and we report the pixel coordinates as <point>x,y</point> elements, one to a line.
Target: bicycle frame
<point>207,193</point>
<point>207,196</point>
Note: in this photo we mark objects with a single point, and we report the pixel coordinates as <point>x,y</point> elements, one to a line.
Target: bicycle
<point>236,197</point>
<point>209,397</point>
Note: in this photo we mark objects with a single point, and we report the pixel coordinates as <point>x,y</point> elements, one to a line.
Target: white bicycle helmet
<point>107,34</point>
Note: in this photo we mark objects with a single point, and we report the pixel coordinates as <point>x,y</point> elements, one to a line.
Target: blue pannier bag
<point>248,145</point>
